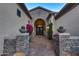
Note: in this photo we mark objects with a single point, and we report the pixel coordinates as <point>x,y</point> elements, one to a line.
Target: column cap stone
<point>64,33</point>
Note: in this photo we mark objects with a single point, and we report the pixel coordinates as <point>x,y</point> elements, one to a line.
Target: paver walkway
<point>41,46</point>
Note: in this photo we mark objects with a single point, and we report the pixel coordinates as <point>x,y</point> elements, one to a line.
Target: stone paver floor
<point>41,46</point>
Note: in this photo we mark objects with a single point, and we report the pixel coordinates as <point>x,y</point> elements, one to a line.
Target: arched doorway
<point>39,26</point>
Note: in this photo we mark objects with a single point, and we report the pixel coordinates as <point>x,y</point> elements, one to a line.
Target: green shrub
<point>50,31</point>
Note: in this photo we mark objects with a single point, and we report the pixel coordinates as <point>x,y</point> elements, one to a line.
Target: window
<point>18,13</point>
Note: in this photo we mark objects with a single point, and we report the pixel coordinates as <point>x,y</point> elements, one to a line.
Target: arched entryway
<point>39,26</point>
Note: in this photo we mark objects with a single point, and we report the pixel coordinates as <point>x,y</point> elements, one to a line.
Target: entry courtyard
<point>41,46</point>
<point>38,29</point>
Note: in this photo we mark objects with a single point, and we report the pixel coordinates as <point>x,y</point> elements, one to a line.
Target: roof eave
<point>23,7</point>
<point>65,9</point>
<point>39,7</point>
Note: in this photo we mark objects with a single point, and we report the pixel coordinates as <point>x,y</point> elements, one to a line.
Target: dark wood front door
<point>39,30</point>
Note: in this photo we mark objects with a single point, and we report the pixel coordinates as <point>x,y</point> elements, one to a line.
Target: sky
<point>51,6</point>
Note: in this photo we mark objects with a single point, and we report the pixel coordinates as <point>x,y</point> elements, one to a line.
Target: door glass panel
<point>39,30</point>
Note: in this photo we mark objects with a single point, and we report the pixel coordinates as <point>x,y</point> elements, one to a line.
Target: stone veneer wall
<point>69,45</point>
<point>15,44</point>
<point>9,47</point>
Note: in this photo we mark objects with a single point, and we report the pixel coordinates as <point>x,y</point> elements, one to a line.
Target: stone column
<point>22,43</point>
<point>63,37</point>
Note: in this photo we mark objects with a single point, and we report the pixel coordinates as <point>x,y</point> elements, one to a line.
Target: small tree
<point>50,31</point>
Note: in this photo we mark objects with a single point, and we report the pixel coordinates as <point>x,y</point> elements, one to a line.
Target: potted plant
<point>29,28</point>
<point>22,29</point>
<point>61,29</point>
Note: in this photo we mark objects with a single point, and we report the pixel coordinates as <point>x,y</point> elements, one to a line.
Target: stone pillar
<point>22,44</point>
<point>63,37</point>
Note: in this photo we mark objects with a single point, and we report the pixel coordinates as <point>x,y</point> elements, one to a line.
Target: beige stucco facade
<point>70,21</point>
<point>39,13</point>
<point>10,23</point>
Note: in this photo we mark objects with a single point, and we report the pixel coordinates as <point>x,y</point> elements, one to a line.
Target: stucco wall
<point>10,22</point>
<point>52,20</point>
<point>70,21</point>
<point>39,13</point>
